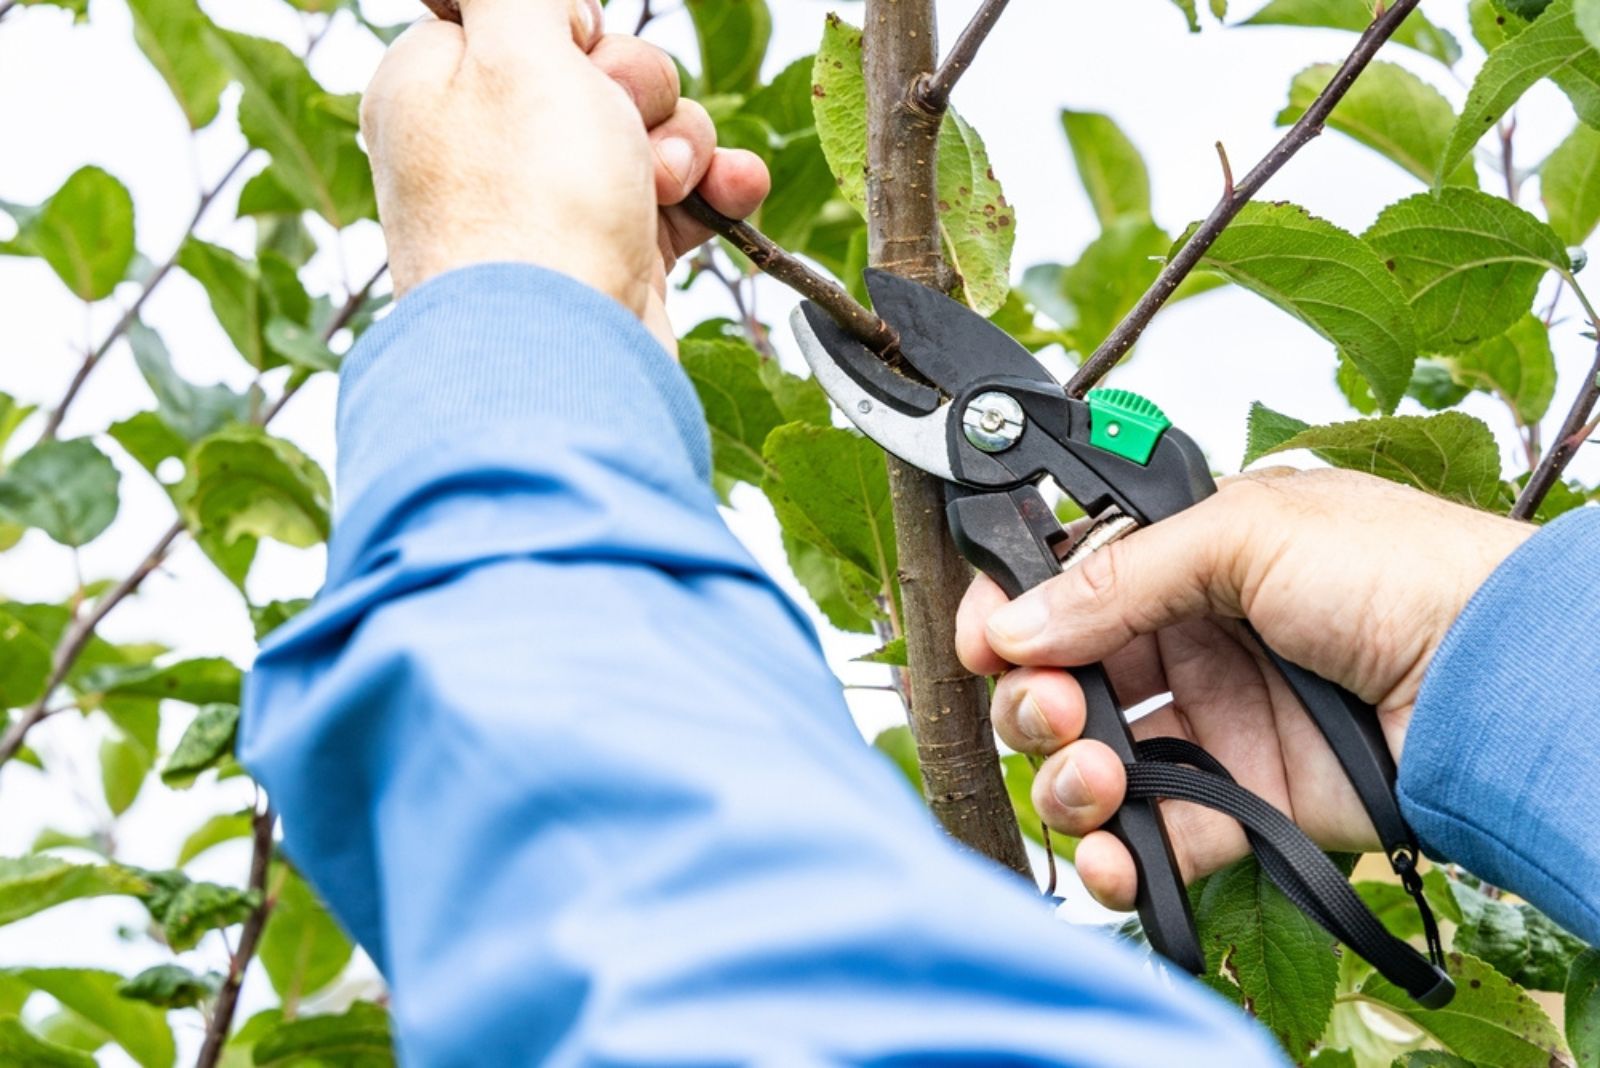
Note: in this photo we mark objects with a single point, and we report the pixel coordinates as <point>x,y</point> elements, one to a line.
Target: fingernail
<point>1031,721</point>
<point>677,156</point>
<point>1071,789</point>
<point>589,18</point>
<point>1019,620</point>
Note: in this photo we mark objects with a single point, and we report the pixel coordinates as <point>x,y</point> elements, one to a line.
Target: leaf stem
<point>1134,324</point>
<point>931,92</point>
<point>221,1021</point>
<point>81,630</point>
<point>92,359</point>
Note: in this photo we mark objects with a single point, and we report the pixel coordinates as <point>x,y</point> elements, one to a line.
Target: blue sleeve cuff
<point>510,332</point>
<point>1500,759</point>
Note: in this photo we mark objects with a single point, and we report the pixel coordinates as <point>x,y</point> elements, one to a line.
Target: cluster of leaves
<point>231,483</point>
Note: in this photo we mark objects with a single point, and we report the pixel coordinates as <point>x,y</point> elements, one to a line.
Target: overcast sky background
<point>70,95</point>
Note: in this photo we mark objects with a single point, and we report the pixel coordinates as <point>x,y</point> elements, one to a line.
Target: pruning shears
<point>990,421</point>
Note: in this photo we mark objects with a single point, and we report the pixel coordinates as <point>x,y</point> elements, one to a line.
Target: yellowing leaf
<point>243,482</point>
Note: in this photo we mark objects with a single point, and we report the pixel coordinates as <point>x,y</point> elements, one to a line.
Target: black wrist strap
<point>1171,768</point>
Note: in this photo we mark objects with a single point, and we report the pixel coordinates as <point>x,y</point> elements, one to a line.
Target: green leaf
<point>359,1038</point>
<point>784,103</point>
<point>84,232</point>
<point>24,663</point>
<point>147,438</point>
<point>274,614</point>
<point>1517,940</point>
<point>223,827</point>
<point>68,489</point>
<point>140,1030</point>
<point>830,488</point>
<point>1111,169</point>
<point>733,36</point>
<point>21,1048</point>
<point>207,743</point>
<point>900,747</point>
<point>1434,386</point>
<point>188,910</point>
<point>66,1028</point>
<point>175,35</point>
<point>1518,367</point>
<point>1329,280</point>
<point>802,185</point>
<point>35,883</point>
<point>1450,454</point>
<point>977,226</point>
<point>740,406</point>
<point>302,948</point>
<point>1492,25</point>
<point>170,986</point>
<point>1019,775</point>
<point>191,411</point>
<point>1469,263</point>
<point>1583,1009</point>
<point>1415,32</point>
<point>1266,430</point>
<point>844,593</point>
<point>243,481</point>
<point>200,681</point>
<point>892,653</point>
<point>1588,16</point>
<point>261,305</point>
<point>12,416</point>
<point>1110,276</point>
<point>1553,47</point>
<point>1431,1058</point>
<point>1391,111</point>
<point>1490,1020</point>
<point>315,157</point>
<point>1262,951</point>
<point>1569,185</point>
<point>1191,15</point>
<point>125,763</point>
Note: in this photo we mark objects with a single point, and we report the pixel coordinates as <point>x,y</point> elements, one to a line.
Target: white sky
<point>70,95</point>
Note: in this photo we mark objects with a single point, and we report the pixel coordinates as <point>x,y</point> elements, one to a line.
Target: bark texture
<point>949,708</point>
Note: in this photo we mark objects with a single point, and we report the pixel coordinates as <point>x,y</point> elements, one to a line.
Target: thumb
<point>529,26</point>
<point>1155,577</point>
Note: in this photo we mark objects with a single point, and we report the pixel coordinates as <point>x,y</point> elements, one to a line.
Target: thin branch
<point>1127,332</point>
<point>931,92</point>
<point>860,323</point>
<point>6,6</point>
<point>1508,168</point>
<point>82,629</point>
<point>1575,430</point>
<point>754,330</point>
<point>92,359</point>
<point>1227,172</point>
<point>645,16</point>
<point>221,1021</point>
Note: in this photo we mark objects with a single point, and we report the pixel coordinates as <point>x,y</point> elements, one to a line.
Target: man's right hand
<point>1350,576</point>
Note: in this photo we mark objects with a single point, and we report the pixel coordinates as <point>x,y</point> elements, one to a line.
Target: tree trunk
<point>949,708</point>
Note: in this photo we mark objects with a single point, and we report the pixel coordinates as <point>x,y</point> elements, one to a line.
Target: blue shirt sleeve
<point>1501,767</point>
<point>575,773</point>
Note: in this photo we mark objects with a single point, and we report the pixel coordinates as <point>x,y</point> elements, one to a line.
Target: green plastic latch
<point>1125,423</point>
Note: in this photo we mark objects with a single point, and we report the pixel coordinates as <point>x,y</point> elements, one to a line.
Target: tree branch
<point>860,323</point>
<point>1575,430</point>
<point>1128,331</point>
<point>949,708</point>
<point>92,359</point>
<point>931,92</point>
<point>6,6</point>
<point>221,1021</point>
<point>81,630</point>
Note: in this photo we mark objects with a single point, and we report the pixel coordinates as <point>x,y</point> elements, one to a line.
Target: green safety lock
<point>1124,423</point>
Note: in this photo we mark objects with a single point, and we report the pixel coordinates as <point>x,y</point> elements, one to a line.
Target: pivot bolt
<point>993,421</point>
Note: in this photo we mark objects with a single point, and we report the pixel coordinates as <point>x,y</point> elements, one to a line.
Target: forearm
<point>1501,767</point>
<point>574,771</point>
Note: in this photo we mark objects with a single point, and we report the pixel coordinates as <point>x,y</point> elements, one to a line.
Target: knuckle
<point>1099,576</point>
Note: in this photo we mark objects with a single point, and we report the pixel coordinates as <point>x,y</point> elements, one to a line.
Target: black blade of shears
<point>951,345</point>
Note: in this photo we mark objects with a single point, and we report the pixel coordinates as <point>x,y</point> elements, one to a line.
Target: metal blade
<point>919,440</point>
<point>949,343</point>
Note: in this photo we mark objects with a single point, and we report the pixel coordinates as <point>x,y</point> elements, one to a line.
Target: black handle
<point>1011,538</point>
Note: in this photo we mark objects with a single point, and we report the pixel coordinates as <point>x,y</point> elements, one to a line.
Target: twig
<point>1508,131</point>
<point>1128,331</point>
<point>1575,430</point>
<point>931,92</point>
<point>860,323</point>
<point>92,359</point>
<point>1227,172</point>
<point>645,15</point>
<point>753,329</point>
<point>81,630</point>
<point>6,6</point>
<point>221,1021</point>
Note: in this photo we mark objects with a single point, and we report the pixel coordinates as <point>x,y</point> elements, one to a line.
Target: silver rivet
<point>863,406</point>
<point>1113,429</point>
<point>993,421</point>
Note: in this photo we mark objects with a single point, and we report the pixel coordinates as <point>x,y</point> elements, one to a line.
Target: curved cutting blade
<point>949,343</point>
<point>919,440</point>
